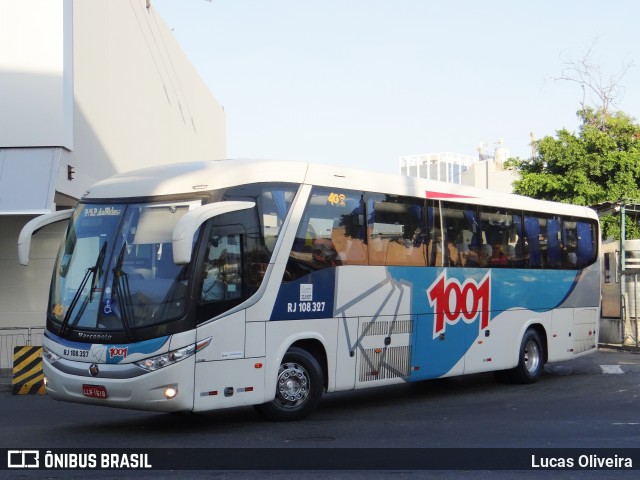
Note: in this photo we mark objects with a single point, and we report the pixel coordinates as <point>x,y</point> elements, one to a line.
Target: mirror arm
<point>24,239</point>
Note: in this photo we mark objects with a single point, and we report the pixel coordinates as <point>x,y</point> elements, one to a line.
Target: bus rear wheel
<point>530,359</point>
<point>299,387</point>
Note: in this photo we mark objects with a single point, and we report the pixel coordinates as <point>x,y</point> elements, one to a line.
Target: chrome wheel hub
<point>293,385</point>
<point>531,356</point>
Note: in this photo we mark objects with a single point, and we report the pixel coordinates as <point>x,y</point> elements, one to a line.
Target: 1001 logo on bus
<point>452,301</point>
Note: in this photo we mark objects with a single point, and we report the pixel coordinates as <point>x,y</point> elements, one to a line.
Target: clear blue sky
<point>362,82</point>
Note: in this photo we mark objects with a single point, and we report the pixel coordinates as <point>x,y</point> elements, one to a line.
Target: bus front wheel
<point>299,387</point>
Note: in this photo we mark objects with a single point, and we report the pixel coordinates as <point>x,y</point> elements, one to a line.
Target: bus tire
<point>299,387</point>
<point>530,359</point>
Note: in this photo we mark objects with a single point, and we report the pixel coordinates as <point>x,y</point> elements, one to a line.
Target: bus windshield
<point>115,270</point>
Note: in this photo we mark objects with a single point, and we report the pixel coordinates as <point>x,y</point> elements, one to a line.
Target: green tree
<point>600,163</point>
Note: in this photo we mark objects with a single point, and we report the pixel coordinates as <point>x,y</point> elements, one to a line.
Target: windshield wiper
<point>72,306</point>
<point>121,289</point>
<point>96,268</point>
<point>74,301</point>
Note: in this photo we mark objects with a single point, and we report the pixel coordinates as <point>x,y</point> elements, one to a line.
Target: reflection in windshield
<point>94,272</point>
<point>115,270</point>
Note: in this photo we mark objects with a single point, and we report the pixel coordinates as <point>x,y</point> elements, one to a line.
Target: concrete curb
<point>619,347</point>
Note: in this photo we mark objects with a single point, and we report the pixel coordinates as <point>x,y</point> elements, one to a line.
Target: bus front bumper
<point>169,389</point>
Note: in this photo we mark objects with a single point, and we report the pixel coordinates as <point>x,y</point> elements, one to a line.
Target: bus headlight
<point>174,356</point>
<point>49,355</point>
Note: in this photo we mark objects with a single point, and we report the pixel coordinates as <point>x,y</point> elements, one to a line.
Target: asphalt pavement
<point>594,407</point>
<point>6,378</point>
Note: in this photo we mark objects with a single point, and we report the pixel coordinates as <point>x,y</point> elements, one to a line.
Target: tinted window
<point>396,230</point>
<point>331,233</point>
<point>501,236</point>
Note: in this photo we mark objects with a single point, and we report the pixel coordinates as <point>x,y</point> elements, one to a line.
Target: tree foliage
<point>600,163</point>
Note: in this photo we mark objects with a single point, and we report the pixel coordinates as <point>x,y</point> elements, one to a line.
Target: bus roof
<point>195,177</point>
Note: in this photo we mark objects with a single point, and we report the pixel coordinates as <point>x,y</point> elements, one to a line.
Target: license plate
<point>94,391</point>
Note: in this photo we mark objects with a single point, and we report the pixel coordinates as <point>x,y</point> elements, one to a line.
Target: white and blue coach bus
<point>215,284</point>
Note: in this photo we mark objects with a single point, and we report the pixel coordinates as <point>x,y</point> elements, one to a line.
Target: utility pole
<point>623,235</point>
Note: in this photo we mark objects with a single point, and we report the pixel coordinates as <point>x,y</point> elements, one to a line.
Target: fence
<point>11,337</point>
<point>631,309</point>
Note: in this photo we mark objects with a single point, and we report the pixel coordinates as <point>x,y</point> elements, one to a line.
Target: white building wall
<point>138,99</point>
<point>485,171</point>
<point>102,87</point>
<point>490,175</point>
<point>443,167</point>
<point>36,73</point>
<point>24,290</point>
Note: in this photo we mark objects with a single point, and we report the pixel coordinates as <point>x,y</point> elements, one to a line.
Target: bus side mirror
<point>24,239</point>
<point>188,225</point>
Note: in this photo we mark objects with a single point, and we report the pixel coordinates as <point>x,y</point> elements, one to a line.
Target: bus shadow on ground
<point>141,424</point>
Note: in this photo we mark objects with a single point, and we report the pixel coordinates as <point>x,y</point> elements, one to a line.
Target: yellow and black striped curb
<point>28,378</point>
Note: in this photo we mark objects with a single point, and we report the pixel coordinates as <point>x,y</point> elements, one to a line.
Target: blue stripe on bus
<point>510,289</point>
<point>144,347</point>
<point>536,290</point>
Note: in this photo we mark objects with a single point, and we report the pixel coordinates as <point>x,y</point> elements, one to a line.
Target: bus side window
<point>433,235</point>
<point>532,237</point>
<point>458,235</point>
<point>570,244</point>
<point>222,271</point>
<point>554,246</point>
<point>262,226</point>
<point>396,230</point>
<point>502,234</point>
<point>586,245</point>
<point>515,249</point>
<point>331,233</point>
<point>493,223</point>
